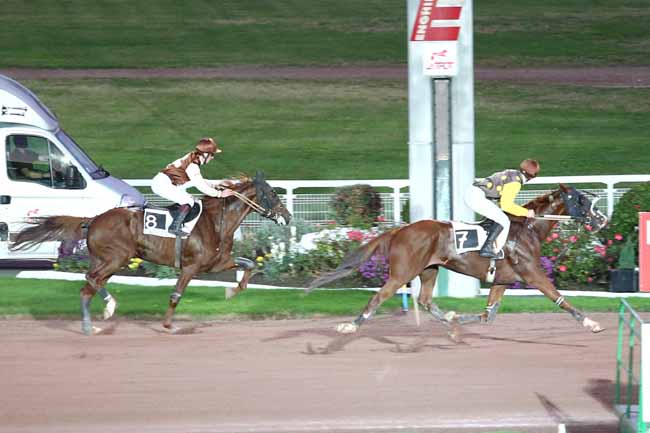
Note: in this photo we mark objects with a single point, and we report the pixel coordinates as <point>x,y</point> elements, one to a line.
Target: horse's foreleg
<point>387,291</point>
<point>175,298</point>
<point>548,289</point>
<point>244,268</point>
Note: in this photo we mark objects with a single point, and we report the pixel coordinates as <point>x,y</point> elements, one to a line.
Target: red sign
<point>644,251</point>
<point>432,22</point>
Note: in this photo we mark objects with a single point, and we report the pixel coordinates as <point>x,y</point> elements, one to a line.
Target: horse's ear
<point>564,188</point>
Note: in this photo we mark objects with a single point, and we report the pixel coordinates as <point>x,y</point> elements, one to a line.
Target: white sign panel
<point>440,59</point>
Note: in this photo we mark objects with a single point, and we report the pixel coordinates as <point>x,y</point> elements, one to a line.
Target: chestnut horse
<point>117,235</point>
<point>419,249</point>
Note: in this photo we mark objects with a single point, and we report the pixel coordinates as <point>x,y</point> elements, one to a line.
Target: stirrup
<point>491,254</point>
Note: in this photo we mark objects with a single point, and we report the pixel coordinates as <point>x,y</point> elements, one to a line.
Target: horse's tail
<point>55,228</point>
<point>354,259</point>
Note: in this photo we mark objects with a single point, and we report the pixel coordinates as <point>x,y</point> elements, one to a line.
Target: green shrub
<point>356,205</point>
<point>578,255</point>
<point>625,219</point>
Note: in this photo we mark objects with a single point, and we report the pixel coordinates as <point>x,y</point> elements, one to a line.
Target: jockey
<point>172,182</point>
<point>494,196</point>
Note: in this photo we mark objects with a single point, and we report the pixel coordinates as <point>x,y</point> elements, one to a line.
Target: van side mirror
<point>73,178</point>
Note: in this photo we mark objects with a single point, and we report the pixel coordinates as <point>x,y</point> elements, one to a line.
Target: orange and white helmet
<point>529,167</point>
<point>207,145</point>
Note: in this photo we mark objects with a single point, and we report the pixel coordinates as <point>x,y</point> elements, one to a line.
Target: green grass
<point>342,129</point>
<point>55,298</point>
<point>168,33</point>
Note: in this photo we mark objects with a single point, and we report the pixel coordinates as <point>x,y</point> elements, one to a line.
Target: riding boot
<point>488,249</point>
<point>175,226</point>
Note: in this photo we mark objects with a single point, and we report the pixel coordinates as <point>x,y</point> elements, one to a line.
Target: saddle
<point>157,219</point>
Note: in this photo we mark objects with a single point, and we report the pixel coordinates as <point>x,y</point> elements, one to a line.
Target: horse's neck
<point>224,221</point>
<point>554,207</point>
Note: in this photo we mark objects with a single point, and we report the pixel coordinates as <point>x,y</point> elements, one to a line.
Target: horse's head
<point>578,206</point>
<point>266,197</point>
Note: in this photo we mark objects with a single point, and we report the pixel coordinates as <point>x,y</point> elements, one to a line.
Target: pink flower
<point>609,241</point>
<point>588,227</point>
<point>589,279</point>
<point>555,235</point>
<point>573,239</point>
<point>562,268</point>
<point>618,237</point>
<point>381,218</point>
<point>553,258</point>
<point>355,235</point>
<point>548,239</point>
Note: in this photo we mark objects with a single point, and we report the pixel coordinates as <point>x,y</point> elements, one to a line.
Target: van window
<point>35,159</point>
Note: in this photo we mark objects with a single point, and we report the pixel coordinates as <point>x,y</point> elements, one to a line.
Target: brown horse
<point>117,235</point>
<point>419,249</point>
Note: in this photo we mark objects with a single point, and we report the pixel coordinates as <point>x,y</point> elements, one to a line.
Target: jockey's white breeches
<point>162,185</point>
<point>477,201</point>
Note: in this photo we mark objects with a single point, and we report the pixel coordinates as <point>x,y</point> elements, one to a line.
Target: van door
<point>37,179</point>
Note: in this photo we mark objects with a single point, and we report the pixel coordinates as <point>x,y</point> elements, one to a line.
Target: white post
<point>289,198</point>
<point>397,206</point>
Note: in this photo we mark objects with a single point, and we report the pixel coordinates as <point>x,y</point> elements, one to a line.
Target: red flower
<point>588,228</point>
<point>355,235</point>
<point>555,235</point>
<point>589,279</point>
<point>562,268</point>
<point>618,237</point>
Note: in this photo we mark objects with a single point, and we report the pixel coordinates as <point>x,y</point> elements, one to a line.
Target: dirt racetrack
<point>526,372</point>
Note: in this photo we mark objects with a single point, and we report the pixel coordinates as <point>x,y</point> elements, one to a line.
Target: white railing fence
<point>314,207</point>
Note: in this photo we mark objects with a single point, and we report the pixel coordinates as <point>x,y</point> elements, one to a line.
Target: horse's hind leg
<point>491,309</point>
<point>96,278</point>
<point>386,292</point>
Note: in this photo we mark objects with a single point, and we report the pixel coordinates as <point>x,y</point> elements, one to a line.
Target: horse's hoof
<point>450,316</point>
<point>109,309</point>
<point>87,328</point>
<point>594,326</point>
<point>347,328</point>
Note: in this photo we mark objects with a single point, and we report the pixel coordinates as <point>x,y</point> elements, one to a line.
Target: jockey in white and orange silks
<point>173,181</point>
<point>494,196</point>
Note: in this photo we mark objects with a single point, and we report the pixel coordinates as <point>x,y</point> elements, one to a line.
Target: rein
<point>251,203</point>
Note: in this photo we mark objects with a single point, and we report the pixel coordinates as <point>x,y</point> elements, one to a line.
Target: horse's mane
<point>537,202</point>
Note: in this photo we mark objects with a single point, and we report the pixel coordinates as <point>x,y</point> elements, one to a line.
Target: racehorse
<point>117,235</point>
<point>419,249</point>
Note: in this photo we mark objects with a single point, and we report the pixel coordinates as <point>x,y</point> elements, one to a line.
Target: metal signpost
<point>441,119</point>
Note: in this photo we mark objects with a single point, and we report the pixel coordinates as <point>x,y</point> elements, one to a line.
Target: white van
<point>44,172</point>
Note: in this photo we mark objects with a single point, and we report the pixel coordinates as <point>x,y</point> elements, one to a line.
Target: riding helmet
<point>207,145</point>
<point>529,167</point>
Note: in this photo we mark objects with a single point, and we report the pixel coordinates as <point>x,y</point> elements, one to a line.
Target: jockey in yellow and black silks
<point>494,196</point>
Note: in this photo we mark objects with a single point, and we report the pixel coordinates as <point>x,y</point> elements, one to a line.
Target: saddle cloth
<point>468,236</point>
<point>158,219</point>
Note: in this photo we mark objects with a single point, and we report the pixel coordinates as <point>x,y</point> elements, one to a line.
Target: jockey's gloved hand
<point>531,213</point>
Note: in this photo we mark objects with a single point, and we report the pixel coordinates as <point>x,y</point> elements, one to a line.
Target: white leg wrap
<point>347,328</point>
<point>110,307</point>
<point>559,300</point>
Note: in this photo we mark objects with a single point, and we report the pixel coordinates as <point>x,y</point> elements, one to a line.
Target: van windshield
<point>95,171</point>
